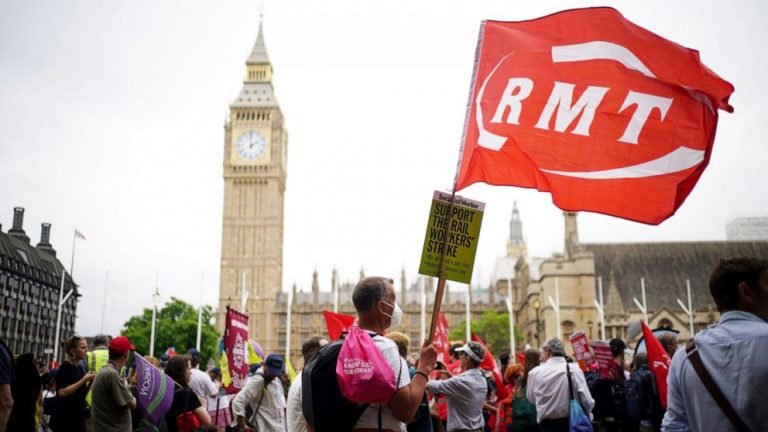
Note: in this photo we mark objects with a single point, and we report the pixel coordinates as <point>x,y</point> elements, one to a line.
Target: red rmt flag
<point>606,116</point>
<point>659,361</point>
<point>440,340</point>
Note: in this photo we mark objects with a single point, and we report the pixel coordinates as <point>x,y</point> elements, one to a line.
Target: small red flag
<point>520,358</point>
<point>659,361</point>
<point>337,323</point>
<point>489,363</point>
<point>605,115</point>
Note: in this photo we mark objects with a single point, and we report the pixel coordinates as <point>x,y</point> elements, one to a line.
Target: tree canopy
<point>176,327</point>
<point>493,329</point>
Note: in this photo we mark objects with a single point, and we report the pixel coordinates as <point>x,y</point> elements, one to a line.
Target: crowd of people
<point>91,390</point>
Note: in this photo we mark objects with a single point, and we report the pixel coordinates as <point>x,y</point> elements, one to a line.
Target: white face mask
<point>396,317</point>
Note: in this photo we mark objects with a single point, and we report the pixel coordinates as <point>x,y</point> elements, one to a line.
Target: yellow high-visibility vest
<point>95,360</point>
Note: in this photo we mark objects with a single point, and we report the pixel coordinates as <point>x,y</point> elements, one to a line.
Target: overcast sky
<point>112,114</point>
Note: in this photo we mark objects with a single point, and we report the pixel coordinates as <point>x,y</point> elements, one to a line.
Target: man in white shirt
<point>264,393</point>
<point>377,311</point>
<point>200,382</point>
<point>296,422</point>
<point>548,388</point>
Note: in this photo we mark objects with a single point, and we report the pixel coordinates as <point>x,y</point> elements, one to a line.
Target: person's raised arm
<point>406,400</point>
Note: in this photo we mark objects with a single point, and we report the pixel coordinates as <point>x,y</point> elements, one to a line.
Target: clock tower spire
<point>255,149</point>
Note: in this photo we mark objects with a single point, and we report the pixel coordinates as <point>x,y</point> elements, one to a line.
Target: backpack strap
<point>712,388</point>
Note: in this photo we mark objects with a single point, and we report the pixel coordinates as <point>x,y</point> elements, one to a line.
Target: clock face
<point>251,145</point>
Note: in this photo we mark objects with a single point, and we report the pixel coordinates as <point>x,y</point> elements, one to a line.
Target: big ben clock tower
<point>255,148</point>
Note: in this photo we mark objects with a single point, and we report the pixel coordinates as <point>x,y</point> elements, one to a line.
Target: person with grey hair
<point>465,392</point>
<point>669,342</point>
<point>377,310</point>
<point>549,390</point>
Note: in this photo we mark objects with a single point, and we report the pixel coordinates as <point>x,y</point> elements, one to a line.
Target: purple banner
<point>155,390</point>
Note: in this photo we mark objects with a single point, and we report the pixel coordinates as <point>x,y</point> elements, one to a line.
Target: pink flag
<point>78,234</point>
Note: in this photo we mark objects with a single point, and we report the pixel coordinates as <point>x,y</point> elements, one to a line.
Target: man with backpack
<point>644,410</point>
<point>325,409</point>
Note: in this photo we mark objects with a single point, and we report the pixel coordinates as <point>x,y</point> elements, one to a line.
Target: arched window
<point>665,324</point>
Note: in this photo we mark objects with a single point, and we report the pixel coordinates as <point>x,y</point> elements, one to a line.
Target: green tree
<point>176,326</point>
<point>493,329</point>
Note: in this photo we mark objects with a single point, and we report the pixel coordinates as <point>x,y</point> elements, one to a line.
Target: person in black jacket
<point>25,389</point>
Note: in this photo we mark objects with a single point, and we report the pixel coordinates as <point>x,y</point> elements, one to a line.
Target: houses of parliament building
<point>588,276</point>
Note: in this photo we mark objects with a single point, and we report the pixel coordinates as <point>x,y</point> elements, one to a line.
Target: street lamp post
<point>155,303</point>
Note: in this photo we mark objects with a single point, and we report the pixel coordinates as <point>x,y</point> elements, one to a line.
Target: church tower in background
<point>255,149</point>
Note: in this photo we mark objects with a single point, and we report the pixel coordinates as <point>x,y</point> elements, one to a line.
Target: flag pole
<point>512,346</point>
<point>441,268</point>
<point>155,301</point>
<point>468,317</point>
<point>602,309</point>
<point>288,327</point>
<point>62,299</point>
<point>200,314</point>
<point>104,303</point>
<point>56,341</point>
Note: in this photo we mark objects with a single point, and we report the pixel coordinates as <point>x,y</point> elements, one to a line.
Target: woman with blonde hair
<point>72,387</point>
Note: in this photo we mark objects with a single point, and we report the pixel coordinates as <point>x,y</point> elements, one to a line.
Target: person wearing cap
<point>112,401</point>
<point>549,390</point>
<point>465,392</point>
<point>264,393</point>
<point>200,382</point>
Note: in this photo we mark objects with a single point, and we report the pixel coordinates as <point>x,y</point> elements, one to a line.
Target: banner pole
<point>441,273</point>
<point>441,269</point>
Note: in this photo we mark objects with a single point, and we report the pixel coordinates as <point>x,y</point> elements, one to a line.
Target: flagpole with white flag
<point>63,299</point>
